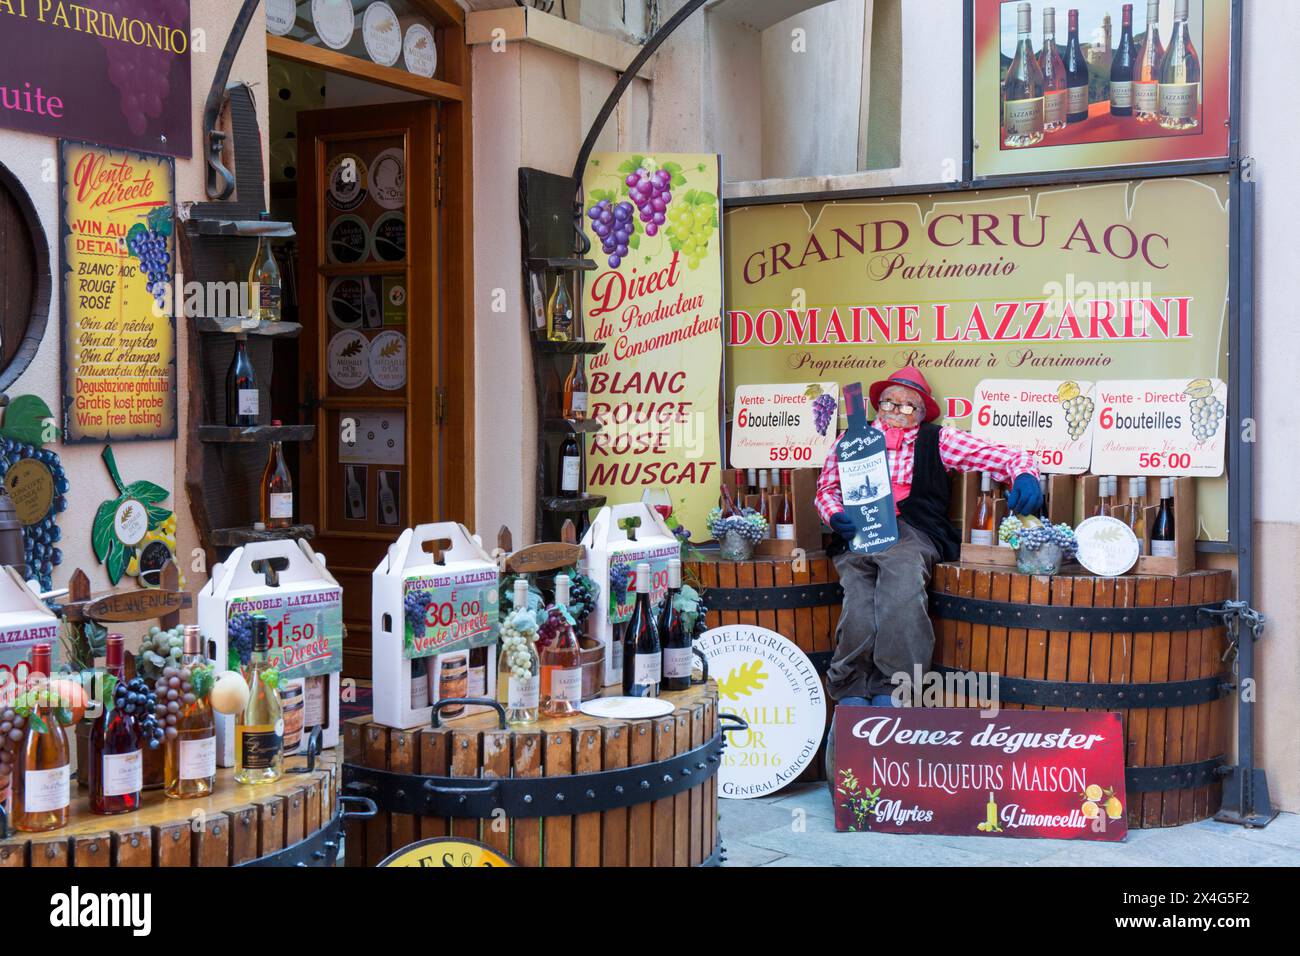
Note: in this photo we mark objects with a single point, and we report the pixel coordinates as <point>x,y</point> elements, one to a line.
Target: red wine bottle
<point>677,656</point>
<point>116,755</point>
<point>1122,67</point>
<point>570,474</point>
<point>241,388</point>
<point>642,651</point>
<point>1076,75</point>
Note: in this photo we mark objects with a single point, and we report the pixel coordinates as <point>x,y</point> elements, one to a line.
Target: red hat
<point>912,378</point>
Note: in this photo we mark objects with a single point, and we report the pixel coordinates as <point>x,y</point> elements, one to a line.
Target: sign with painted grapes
<point>956,771</point>
<point>117,249</point>
<point>112,72</point>
<point>1173,427</point>
<point>787,426</point>
<point>622,576</point>
<point>655,300</point>
<point>35,481</point>
<point>449,612</point>
<point>1050,419</point>
<point>305,628</point>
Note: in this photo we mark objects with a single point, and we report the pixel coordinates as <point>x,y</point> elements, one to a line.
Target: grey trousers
<point>884,623</point>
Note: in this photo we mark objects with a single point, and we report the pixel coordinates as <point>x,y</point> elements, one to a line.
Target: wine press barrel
<point>1139,645</point>
<point>296,821</point>
<point>799,598</point>
<point>574,791</point>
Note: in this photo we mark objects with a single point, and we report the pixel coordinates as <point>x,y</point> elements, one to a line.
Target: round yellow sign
<point>447,851</point>
<point>31,488</point>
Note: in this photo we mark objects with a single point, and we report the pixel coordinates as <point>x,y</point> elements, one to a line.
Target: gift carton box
<point>607,545</point>
<point>433,602</point>
<point>286,581</point>
<point>24,621</point>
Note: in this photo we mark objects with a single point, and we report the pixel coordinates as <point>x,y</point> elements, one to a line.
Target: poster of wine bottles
<point>117,254</point>
<point>1098,83</point>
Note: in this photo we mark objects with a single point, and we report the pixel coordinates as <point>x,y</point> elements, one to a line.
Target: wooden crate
<point>679,830</point>
<point>807,522</point>
<point>1184,558</point>
<point>1060,495</point>
<point>1154,736</point>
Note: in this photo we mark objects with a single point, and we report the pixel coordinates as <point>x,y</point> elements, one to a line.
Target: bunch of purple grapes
<point>620,575</point>
<point>137,698</point>
<point>613,224</point>
<point>650,193</point>
<point>151,249</point>
<point>824,408</point>
<point>415,604</point>
<point>142,74</point>
<point>239,640</point>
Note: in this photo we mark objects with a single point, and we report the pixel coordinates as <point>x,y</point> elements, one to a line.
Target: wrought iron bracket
<point>220,184</point>
<point>534,796</point>
<point>322,847</point>
<point>1044,617</point>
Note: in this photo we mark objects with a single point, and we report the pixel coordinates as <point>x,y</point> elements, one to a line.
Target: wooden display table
<point>515,789</point>
<point>1134,644</point>
<point>238,825</point>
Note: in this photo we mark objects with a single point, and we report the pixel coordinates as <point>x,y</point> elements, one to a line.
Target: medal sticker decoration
<point>348,360</point>
<point>388,177</point>
<point>388,360</point>
<point>1107,546</point>
<point>335,21</point>
<point>419,51</point>
<point>865,488</point>
<point>36,482</point>
<point>281,16</point>
<point>388,239</point>
<point>344,301</point>
<point>122,525</point>
<point>381,33</point>
<point>347,181</point>
<point>347,240</point>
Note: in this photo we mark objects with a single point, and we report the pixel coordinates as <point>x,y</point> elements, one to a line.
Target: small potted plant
<point>1040,548</point>
<point>737,534</point>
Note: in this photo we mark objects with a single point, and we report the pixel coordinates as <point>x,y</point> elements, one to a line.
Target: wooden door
<point>369,375</point>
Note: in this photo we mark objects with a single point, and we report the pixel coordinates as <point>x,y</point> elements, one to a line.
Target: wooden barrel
<point>797,597</point>
<point>277,824</point>
<point>531,793</point>
<point>1134,644</point>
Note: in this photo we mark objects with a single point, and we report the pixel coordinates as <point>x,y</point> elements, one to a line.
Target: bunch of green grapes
<point>159,650</point>
<point>1206,409</point>
<point>692,225</point>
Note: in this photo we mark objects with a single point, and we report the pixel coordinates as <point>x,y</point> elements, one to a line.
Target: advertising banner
<point>305,628</point>
<point>449,612</point>
<point>117,252</point>
<point>1165,427</point>
<point>783,425</point>
<point>656,300</point>
<point>1124,280</point>
<point>1051,420</point>
<point>1152,91</point>
<point>112,71</point>
<point>950,770</point>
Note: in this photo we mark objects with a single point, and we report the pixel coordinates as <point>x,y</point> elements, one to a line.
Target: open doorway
<point>353,167</point>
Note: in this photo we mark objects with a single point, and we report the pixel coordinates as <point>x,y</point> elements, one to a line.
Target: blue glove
<point>1025,497</point>
<point>842,526</point>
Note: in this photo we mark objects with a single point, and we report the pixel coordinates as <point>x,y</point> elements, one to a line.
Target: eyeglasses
<point>907,408</point>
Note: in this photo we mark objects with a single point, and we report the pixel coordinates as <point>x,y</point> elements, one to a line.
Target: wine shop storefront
<point>309,371</point>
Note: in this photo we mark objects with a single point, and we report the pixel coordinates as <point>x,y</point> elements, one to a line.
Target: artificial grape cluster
<point>1009,530</point>
<point>1061,535</point>
<point>12,725</point>
<point>175,688</point>
<point>620,575</point>
<point>40,539</point>
<point>136,698</point>
<point>239,640</point>
<point>612,223</point>
<point>748,523</point>
<point>415,604</point>
<point>692,225</point>
<point>583,594</point>
<point>824,408</point>
<point>150,248</point>
<point>161,649</point>
<point>1207,411</point>
<point>1078,413</point>
<point>552,627</point>
<point>516,634</point>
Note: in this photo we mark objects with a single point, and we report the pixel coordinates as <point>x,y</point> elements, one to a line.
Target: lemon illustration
<point>1199,388</point>
<point>1093,792</point>
<point>1067,391</point>
<point>1091,810</point>
<point>1114,809</point>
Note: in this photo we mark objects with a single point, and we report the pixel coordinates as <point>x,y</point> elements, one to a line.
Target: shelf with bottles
<point>238,536</point>
<point>798,527</point>
<point>1175,549</point>
<point>979,532</point>
<point>243,325</point>
<point>259,434</point>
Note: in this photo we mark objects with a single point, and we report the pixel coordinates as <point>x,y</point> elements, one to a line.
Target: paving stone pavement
<point>796,827</point>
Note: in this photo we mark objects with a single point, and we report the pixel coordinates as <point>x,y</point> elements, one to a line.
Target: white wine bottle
<point>1146,78</point>
<point>265,289</point>
<point>259,730</point>
<point>1180,77</point>
<point>1022,89</point>
<point>519,670</point>
<point>559,312</point>
<point>1056,94</point>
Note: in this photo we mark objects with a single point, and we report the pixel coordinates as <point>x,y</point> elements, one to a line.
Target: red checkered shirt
<point>958,450</point>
